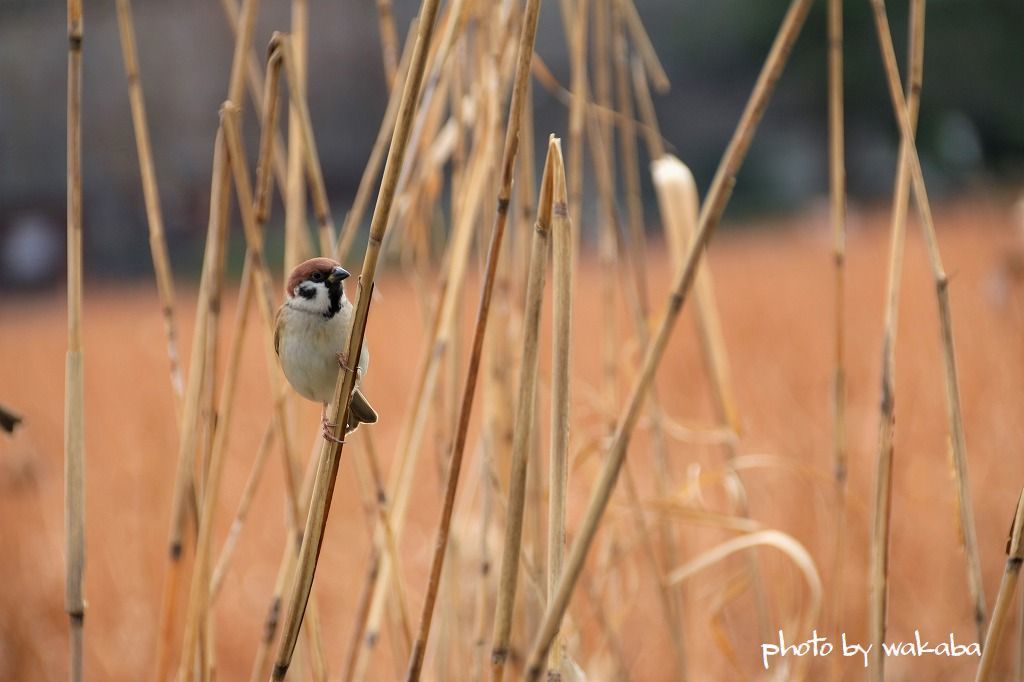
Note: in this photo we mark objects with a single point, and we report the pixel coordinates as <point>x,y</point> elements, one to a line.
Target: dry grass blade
<point>764,538</point>
<point>151,195</point>
<point>295,228</point>
<point>558,473</point>
<point>523,433</point>
<point>710,216</point>
<point>331,452</point>
<point>1004,599</point>
<point>528,32</point>
<point>74,399</point>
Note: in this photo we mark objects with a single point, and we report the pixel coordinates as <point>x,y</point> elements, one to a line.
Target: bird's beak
<point>338,274</point>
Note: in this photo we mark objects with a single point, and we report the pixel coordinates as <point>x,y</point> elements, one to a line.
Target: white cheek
<point>317,304</point>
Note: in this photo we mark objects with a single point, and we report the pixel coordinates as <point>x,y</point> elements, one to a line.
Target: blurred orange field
<point>775,292</point>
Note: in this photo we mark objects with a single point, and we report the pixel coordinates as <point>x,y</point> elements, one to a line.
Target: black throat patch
<point>334,296</point>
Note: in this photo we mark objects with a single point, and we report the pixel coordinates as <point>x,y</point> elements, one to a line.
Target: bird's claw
<point>343,361</point>
<point>327,430</point>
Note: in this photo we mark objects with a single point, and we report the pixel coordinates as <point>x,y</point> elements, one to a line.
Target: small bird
<point>311,333</point>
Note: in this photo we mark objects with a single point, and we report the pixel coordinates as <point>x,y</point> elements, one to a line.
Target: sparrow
<point>311,333</point>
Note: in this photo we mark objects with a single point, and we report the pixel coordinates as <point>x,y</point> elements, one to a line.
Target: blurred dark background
<point>971,133</point>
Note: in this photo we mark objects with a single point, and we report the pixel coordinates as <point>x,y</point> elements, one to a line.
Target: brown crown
<point>305,270</point>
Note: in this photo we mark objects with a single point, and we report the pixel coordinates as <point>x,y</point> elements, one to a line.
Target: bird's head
<point>315,286</point>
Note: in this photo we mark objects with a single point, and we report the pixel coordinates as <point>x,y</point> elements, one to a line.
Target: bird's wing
<point>278,325</point>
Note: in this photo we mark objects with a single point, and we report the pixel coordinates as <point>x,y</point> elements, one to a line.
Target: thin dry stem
<point>558,471</point>
<point>837,204</point>
<point>710,216</point>
<point>1007,587</point>
<point>523,434</point>
<point>528,32</point>
<point>151,195</point>
<point>331,452</point>
<point>74,399</point>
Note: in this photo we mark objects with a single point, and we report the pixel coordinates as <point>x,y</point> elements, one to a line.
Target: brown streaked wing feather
<point>278,324</point>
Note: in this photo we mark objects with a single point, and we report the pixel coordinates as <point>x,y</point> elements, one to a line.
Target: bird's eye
<point>317,277</point>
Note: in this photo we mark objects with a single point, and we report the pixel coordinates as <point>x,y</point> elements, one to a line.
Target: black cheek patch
<point>307,292</point>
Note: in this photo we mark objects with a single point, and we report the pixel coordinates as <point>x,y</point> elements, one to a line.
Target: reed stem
<point>712,211</point>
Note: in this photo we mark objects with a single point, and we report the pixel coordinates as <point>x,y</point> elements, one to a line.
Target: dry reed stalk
<point>151,196</point>
<point>199,597</point>
<point>668,602</point>
<point>184,479</point>
<point>380,145</point>
<point>254,84</point>
<point>295,226</point>
<point>710,215</point>
<point>837,205</point>
<point>204,345</point>
<point>252,482</point>
<point>878,568</point>
<point>441,329</point>
<point>630,157</point>
<point>576,28</point>
<point>649,127</point>
<point>883,490</point>
<point>954,413</point>
<point>561,342</point>
<point>644,46</point>
<point>524,53</point>
<point>299,111</point>
<point>523,433</point>
<point>388,41</point>
<point>254,213</point>
<point>74,399</point>
<point>331,452</point>
<point>679,204</point>
<point>1007,587</point>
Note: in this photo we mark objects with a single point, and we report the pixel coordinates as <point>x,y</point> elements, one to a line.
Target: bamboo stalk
<point>523,433</point>
<point>710,216</point>
<point>331,452</point>
<point>528,32</point>
<point>558,469</point>
<point>74,399</point>
<point>1004,599</point>
<point>837,203</point>
<point>151,195</point>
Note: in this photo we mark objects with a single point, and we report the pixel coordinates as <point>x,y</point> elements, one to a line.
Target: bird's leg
<point>327,428</point>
